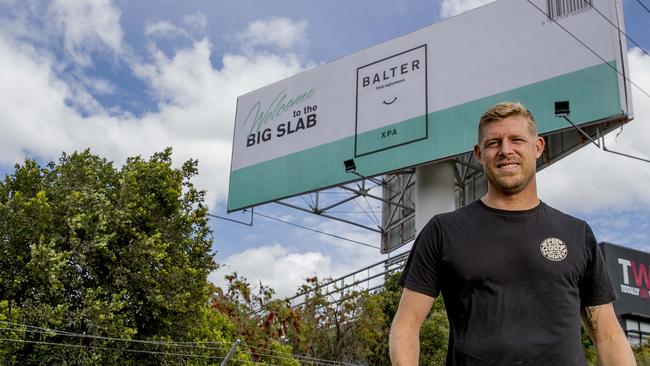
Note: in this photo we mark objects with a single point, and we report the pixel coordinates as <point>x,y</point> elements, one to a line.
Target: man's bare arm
<point>611,344</point>
<point>405,331</point>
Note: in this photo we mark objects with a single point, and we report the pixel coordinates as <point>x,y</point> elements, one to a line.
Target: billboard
<point>417,98</point>
<point>629,270</point>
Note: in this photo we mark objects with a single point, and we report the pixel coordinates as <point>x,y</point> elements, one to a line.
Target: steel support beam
<point>329,216</point>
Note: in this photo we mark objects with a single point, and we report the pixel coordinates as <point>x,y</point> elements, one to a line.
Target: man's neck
<point>520,201</point>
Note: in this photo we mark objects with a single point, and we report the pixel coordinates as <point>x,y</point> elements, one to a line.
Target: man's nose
<point>506,148</point>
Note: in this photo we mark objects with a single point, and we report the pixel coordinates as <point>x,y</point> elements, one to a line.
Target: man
<point>515,274</point>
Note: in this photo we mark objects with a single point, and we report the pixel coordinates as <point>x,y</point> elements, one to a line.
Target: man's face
<point>508,154</point>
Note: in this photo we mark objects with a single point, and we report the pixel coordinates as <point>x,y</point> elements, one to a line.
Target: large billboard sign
<point>417,98</point>
<point>629,270</point>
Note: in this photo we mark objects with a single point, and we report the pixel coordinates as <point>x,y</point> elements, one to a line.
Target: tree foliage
<point>433,335</point>
<point>90,249</point>
<point>337,324</point>
<point>333,324</point>
<point>642,354</point>
<point>262,323</point>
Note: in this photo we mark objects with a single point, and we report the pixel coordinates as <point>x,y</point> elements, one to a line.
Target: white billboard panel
<point>417,98</point>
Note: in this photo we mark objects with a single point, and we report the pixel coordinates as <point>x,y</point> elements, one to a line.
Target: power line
<point>129,350</point>
<point>588,48</point>
<point>319,360</point>
<point>317,231</point>
<point>42,330</point>
<point>194,345</point>
<point>350,212</point>
<point>643,5</point>
<point>250,223</point>
<point>620,31</point>
<point>109,348</point>
<point>299,357</point>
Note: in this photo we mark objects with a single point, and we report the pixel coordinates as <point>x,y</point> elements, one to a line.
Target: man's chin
<point>508,187</point>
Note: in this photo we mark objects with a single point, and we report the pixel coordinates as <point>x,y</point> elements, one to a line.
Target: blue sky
<point>131,77</point>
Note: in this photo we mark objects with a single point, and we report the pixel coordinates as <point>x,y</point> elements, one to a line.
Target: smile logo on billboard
<point>391,101</point>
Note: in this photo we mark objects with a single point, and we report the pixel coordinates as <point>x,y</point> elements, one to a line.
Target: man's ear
<point>539,146</point>
<point>477,152</point>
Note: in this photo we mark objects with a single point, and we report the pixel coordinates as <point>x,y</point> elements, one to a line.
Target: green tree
<point>90,249</point>
<point>433,335</point>
<point>642,354</point>
<point>338,324</point>
<point>589,348</point>
<point>262,323</point>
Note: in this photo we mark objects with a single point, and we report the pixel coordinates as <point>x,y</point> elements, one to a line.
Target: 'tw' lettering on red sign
<point>641,275</point>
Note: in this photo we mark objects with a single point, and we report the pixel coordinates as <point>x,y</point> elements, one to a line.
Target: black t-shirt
<point>513,283</point>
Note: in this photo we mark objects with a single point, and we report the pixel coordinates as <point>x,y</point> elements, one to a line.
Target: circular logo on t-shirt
<point>553,249</point>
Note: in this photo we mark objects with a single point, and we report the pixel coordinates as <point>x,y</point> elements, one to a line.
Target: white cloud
<point>591,179</point>
<point>99,86</point>
<point>279,32</point>
<point>163,28</point>
<point>198,22</point>
<point>275,266</point>
<point>251,237</point>
<point>450,8</point>
<point>42,114</point>
<point>30,93</point>
<point>285,270</point>
<point>88,25</point>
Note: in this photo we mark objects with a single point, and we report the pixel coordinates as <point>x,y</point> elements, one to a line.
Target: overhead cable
<point>321,361</point>
<point>41,330</point>
<point>350,212</point>
<point>620,31</point>
<point>644,6</point>
<point>194,345</point>
<point>249,223</point>
<point>316,231</point>
<point>588,48</point>
<point>108,348</point>
<point>270,352</point>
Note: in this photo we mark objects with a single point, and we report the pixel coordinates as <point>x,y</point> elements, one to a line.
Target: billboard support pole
<point>434,191</point>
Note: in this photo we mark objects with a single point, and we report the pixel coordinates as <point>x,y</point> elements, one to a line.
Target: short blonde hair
<point>504,110</point>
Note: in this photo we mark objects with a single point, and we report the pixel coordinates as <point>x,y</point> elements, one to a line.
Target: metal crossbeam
<point>328,216</point>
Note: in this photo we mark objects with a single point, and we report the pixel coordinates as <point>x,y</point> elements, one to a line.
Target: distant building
<point>630,273</point>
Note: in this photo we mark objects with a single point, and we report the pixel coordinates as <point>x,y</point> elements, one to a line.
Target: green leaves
<point>262,323</point>
<point>89,248</point>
